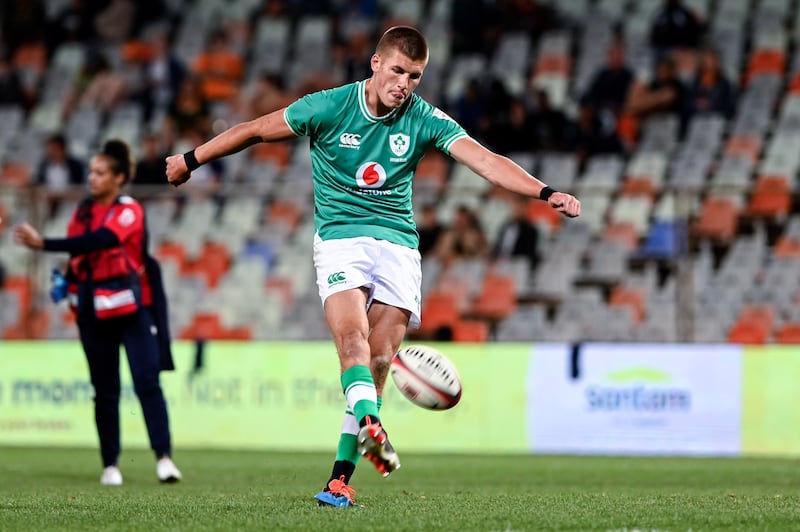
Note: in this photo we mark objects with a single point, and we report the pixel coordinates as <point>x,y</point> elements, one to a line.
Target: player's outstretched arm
<point>269,128</point>
<point>505,173</point>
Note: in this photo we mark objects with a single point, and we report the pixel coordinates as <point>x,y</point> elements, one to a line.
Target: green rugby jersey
<point>363,165</point>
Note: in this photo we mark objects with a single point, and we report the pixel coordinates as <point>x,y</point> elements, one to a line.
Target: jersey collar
<point>362,104</point>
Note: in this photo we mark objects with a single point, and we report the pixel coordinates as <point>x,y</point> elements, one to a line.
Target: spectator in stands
<point>429,228</point>
<point>58,171</point>
<point>497,105</point>
<point>605,97</point>
<point>97,85</point>
<point>74,23</point>
<point>21,22</point>
<point>219,68</point>
<point>118,299</point>
<point>675,26</point>
<point>517,237</point>
<point>162,76</point>
<point>593,137</point>
<point>151,168</point>
<point>11,90</point>
<point>469,108</point>
<point>189,111</point>
<point>365,250</point>
<point>474,26</point>
<point>115,20</point>
<point>521,133</point>
<point>533,17</point>
<point>266,95</point>
<point>464,238</point>
<point>551,127</point>
<point>355,54</point>
<point>152,13</point>
<point>711,90</point>
<point>664,94</point>
<point>107,89</point>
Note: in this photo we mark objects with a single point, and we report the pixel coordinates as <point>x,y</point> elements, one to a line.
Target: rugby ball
<point>426,377</point>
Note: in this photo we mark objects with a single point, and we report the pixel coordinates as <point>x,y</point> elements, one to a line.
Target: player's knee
<point>353,348</point>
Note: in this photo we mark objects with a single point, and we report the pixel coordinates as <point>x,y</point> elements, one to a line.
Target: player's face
<point>102,181</point>
<point>395,77</point>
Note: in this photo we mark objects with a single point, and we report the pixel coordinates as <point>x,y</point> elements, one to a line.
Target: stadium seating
<point>718,191</point>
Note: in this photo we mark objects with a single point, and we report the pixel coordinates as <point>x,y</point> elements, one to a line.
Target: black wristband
<point>546,192</point>
<point>191,161</point>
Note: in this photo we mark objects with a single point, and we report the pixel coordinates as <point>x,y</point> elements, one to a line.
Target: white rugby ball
<point>426,377</point>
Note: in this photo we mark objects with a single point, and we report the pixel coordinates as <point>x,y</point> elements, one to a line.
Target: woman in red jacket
<point>111,287</point>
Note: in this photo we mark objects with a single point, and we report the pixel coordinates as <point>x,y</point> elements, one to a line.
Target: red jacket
<point>125,218</point>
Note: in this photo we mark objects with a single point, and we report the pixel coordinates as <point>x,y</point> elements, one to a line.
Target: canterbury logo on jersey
<point>335,278</point>
<point>350,140</point>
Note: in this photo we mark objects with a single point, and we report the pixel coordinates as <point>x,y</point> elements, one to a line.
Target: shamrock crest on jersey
<point>399,143</point>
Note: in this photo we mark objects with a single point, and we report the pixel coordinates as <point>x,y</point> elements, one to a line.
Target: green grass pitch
<point>58,489</point>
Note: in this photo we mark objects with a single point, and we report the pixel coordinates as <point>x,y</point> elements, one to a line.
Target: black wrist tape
<point>191,161</point>
<point>546,193</point>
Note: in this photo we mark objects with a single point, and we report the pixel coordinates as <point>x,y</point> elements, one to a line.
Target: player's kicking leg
<point>388,325</point>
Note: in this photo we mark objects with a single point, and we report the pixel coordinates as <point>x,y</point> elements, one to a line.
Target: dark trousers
<point>101,340</point>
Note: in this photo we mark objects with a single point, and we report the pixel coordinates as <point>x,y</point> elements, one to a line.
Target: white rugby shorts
<point>392,273</point>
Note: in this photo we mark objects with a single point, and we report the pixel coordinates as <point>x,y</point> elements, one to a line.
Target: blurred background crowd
<point>677,123</point>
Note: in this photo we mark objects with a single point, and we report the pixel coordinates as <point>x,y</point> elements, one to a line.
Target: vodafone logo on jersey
<point>370,175</point>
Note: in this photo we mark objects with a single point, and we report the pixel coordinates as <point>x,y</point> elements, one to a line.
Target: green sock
<point>359,390</point>
<point>347,451</point>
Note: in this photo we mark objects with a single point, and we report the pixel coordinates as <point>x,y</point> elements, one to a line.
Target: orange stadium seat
<point>630,297</point>
<point>31,55</point>
<point>283,287</point>
<point>3,218</point>
<point>540,211</point>
<point>753,325</point>
<point>788,333</point>
<point>638,186</point>
<point>787,247</point>
<point>284,212</point>
<point>748,333</point>
<point>772,183</point>
<point>622,232</point>
<point>15,174</point>
<point>470,331</point>
<point>769,204</point>
<point>173,251</point>
<point>23,287</point>
<point>213,262</point>
<point>136,51</point>
<point>553,64</point>
<point>439,309</point>
<point>717,220</point>
<point>277,153</point>
<point>204,326</point>
<point>766,62</point>
<point>762,314</point>
<point>628,128</point>
<point>497,298</point>
<point>747,145</point>
<point>433,169</point>
<point>238,333</point>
